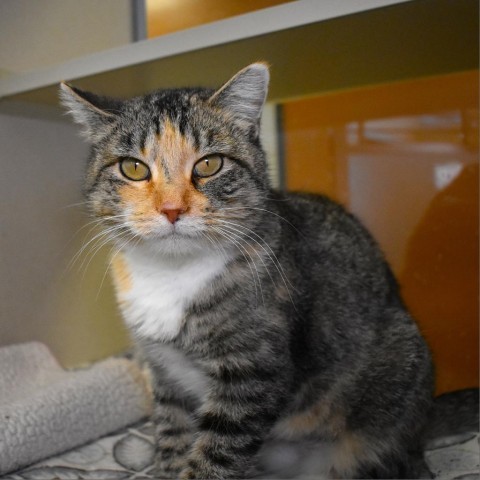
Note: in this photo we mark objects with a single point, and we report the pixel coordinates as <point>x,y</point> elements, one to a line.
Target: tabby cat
<point>273,327</point>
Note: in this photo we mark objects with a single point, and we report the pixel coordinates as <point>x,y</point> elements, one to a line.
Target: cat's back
<point>324,227</point>
<point>335,255</point>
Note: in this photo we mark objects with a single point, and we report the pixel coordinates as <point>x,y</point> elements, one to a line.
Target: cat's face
<point>178,168</point>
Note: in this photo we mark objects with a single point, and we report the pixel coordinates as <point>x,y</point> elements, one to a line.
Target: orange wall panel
<point>168,16</point>
<point>404,158</point>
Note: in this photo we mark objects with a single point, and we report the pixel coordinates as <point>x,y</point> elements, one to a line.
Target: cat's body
<point>342,377</point>
<point>264,318</point>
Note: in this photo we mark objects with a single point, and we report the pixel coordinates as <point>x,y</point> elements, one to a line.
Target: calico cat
<point>269,321</point>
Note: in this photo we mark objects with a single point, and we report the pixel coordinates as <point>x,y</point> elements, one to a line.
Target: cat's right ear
<point>92,111</point>
<point>244,94</point>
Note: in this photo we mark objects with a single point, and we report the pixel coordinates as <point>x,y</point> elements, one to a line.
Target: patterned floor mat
<point>129,455</point>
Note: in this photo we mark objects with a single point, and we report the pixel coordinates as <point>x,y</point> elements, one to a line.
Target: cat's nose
<point>172,213</point>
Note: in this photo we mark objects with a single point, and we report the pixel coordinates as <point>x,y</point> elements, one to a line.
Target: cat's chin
<point>183,238</point>
<point>175,244</point>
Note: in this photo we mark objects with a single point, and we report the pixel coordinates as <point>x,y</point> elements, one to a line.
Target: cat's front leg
<point>226,450</point>
<point>231,429</point>
<point>173,435</point>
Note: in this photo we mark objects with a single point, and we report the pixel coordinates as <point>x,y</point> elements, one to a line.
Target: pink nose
<point>172,213</point>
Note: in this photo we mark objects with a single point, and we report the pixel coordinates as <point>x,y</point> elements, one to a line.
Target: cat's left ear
<point>94,112</point>
<point>245,93</point>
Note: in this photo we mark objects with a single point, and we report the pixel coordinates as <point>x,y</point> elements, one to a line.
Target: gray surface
<point>45,410</point>
<point>129,455</point>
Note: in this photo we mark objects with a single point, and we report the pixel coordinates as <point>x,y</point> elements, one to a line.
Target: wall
<point>42,33</point>
<point>70,308</point>
<point>42,297</point>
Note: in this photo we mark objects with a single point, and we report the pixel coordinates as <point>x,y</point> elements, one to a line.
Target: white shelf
<point>312,45</point>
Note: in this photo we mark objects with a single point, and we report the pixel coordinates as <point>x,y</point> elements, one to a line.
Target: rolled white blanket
<point>45,410</point>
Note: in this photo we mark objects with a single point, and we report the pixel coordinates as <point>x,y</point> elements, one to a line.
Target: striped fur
<point>264,317</point>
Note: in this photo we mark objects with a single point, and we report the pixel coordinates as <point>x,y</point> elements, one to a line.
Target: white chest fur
<point>156,289</point>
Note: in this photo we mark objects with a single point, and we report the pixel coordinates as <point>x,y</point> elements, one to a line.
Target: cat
<point>272,325</point>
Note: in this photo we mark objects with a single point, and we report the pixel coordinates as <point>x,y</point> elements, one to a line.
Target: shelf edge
<point>260,22</point>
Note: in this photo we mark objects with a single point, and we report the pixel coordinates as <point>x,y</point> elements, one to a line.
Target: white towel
<point>45,410</point>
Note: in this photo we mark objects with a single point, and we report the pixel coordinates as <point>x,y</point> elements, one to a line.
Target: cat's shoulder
<point>316,209</point>
<point>312,201</point>
<point>325,223</point>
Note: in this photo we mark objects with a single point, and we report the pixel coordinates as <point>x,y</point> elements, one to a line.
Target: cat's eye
<point>208,166</point>
<point>134,169</point>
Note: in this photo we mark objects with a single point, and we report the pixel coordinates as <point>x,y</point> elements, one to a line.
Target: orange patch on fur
<point>172,190</point>
<point>350,451</point>
<point>322,417</point>
<point>121,274</point>
<point>176,151</point>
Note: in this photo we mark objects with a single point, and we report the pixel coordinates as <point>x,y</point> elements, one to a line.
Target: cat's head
<point>170,168</point>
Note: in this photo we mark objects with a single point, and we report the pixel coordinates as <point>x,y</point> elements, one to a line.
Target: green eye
<point>134,169</point>
<point>208,166</point>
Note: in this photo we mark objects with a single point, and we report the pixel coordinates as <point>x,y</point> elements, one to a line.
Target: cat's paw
<point>205,472</point>
<point>166,472</point>
<point>187,473</point>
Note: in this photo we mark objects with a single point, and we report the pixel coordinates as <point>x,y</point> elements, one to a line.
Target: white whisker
<point>93,242</point>
<point>239,237</point>
<point>71,205</point>
<point>104,241</point>
<point>96,222</point>
<point>268,211</point>
<point>274,260</point>
<point>216,245</point>
<point>112,257</point>
<point>245,253</point>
